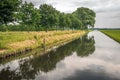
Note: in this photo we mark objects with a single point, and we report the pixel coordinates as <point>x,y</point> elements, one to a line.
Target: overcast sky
<point>107,11</point>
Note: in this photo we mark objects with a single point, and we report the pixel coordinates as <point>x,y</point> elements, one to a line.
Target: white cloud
<point>106,10</point>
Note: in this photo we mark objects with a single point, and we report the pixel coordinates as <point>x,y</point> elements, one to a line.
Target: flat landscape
<point>59,40</point>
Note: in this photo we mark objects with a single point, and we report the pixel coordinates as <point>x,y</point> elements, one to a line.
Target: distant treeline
<point>25,17</point>
<point>105,28</point>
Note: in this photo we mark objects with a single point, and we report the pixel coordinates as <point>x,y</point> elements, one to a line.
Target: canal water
<point>91,57</point>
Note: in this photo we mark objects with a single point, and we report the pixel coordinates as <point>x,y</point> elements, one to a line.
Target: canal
<point>92,57</point>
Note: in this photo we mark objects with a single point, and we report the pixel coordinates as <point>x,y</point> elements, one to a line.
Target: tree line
<point>26,17</point>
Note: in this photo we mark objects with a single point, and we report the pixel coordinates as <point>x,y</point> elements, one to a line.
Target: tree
<point>48,16</point>
<point>7,10</point>
<point>86,16</point>
<point>56,21</point>
<point>77,24</point>
<point>62,21</point>
<point>36,19</point>
<point>29,15</point>
<point>91,18</point>
<point>68,21</point>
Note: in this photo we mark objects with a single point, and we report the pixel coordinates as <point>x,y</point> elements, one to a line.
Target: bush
<point>3,28</point>
<point>21,27</point>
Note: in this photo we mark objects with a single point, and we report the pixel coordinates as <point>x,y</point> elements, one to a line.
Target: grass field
<point>17,41</point>
<point>114,34</point>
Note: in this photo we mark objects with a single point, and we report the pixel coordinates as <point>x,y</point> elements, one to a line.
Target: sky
<point>107,11</point>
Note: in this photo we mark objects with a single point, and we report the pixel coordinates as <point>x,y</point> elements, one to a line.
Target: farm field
<point>114,34</point>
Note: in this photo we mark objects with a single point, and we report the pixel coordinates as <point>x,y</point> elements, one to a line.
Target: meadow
<point>114,34</point>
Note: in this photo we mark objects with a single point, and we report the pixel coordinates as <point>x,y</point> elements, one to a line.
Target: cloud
<point>36,2</point>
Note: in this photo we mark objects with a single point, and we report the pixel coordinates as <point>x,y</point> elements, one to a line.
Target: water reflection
<point>33,67</point>
<point>87,68</point>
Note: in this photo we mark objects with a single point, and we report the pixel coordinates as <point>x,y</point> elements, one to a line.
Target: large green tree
<point>49,16</point>
<point>8,8</point>
<point>68,21</point>
<point>62,20</point>
<point>29,15</point>
<point>86,16</point>
<point>76,23</point>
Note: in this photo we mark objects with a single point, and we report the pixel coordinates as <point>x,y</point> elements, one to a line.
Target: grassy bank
<point>14,42</point>
<point>114,34</point>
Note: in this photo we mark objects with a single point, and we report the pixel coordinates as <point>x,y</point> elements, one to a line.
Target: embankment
<point>12,43</point>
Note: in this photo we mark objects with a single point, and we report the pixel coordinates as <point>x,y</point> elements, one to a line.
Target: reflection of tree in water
<point>7,74</point>
<point>29,68</point>
<point>86,46</point>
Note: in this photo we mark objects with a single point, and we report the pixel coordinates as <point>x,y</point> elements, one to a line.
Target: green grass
<point>11,42</point>
<point>10,37</point>
<point>114,34</point>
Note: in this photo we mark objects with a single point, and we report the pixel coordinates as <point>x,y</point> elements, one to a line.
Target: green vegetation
<point>8,9</point>
<point>29,18</point>
<point>114,34</point>
<point>12,42</point>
